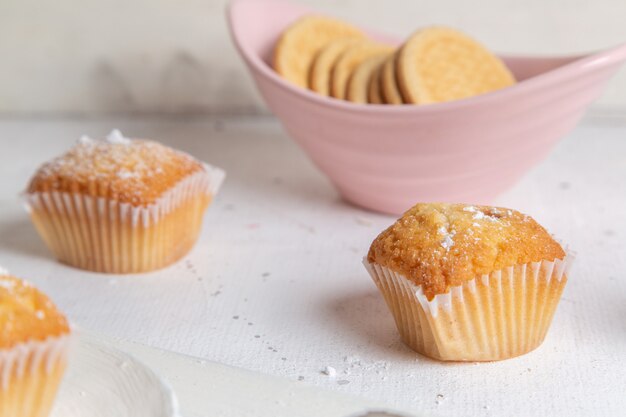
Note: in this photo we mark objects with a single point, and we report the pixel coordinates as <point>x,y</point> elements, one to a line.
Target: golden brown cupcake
<point>469,283</point>
<point>34,342</point>
<point>121,205</point>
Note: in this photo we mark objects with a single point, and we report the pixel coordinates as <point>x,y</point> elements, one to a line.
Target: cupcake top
<point>121,169</point>
<point>26,314</point>
<point>438,246</point>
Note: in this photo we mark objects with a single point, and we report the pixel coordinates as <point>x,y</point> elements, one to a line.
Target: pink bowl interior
<point>387,158</point>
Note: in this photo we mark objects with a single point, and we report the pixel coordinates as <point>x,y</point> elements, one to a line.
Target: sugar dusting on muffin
<point>438,246</point>
<point>122,169</point>
<point>26,314</point>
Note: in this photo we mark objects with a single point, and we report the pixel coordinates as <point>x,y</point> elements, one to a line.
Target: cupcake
<point>34,341</point>
<point>121,205</point>
<point>469,283</point>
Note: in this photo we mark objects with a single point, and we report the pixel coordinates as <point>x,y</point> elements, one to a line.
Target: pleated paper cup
<point>497,316</point>
<point>30,375</point>
<point>102,235</point>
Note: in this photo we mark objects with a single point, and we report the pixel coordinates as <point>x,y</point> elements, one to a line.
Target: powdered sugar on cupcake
<point>447,241</point>
<point>129,170</point>
<point>6,284</point>
<point>116,137</point>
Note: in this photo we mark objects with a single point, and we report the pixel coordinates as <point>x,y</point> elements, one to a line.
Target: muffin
<point>34,341</point>
<point>469,283</point>
<point>121,205</point>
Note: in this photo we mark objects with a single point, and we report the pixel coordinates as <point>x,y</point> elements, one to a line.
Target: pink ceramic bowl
<point>387,158</point>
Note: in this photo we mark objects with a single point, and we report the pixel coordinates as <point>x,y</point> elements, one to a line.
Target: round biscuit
<point>349,60</point>
<point>319,74</point>
<point>358,85</point>
<point>374,95</point>
<point>299,44</point>
<point>440,64</point>
<point>388,82</point>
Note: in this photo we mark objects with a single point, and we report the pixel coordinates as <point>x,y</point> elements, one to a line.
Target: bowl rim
<point>579,64</point>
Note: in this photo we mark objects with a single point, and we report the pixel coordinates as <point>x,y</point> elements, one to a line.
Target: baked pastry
<point>322,66</point>
<point>349,61</point>
<point>121,205</point>
<point>433,65</point>
<point>388,82</point>
<point>439,64</point>
<point>469,283</point>
<point>34,344</point>
<point>359,84</point>
<point>302,41</point>
<point>374,92</point>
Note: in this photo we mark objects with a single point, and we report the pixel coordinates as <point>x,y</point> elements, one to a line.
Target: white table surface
<point>276,284</point>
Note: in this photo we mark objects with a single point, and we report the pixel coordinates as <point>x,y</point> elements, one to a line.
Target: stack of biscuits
<point>434,65</point>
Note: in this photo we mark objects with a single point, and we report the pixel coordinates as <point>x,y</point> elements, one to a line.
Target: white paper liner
<point>91,232</point>
<point>34,353</point>
<point>48,351</point>
<point>503,314</point>
<point>30,375</point>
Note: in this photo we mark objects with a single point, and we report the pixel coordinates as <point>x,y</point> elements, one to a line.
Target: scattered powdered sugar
<point>448,240</point>
<point>116,137</point>
<point>357,365</point>
<point>7,284</point>
<point>126,175</point>
<point>25,302</point>
<point>138,170</point>
<point>479,215</point>
<point>330,371</point>
<point>85,140</point>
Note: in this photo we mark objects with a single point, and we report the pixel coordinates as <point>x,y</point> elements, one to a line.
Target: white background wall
<point>165,56</point>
